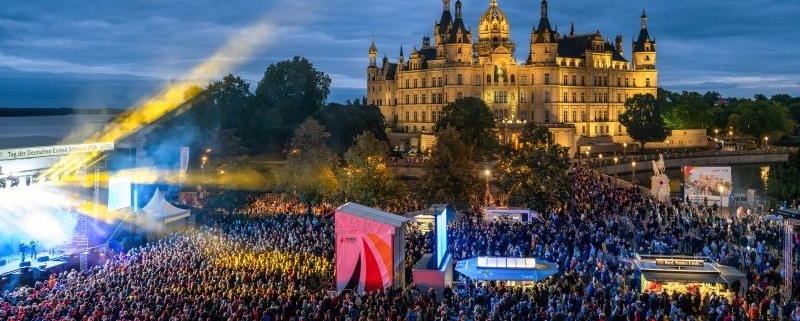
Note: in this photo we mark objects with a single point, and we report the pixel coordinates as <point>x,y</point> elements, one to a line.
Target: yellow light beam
<point>244,44</point>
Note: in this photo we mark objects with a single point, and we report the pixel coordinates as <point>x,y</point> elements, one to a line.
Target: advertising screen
<point>119,192</point>
<point>708,185</point>
<point>441,237</point>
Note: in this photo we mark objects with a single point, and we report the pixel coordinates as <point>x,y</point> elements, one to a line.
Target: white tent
<point>161,210</point>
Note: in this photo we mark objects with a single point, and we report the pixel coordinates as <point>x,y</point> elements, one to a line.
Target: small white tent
<point>158,214</point>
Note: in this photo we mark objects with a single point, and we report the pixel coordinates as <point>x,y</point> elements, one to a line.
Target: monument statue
<point>659,186</point>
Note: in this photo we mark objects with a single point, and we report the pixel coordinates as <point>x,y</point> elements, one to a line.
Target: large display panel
<point>441,237</point>
<point>708,185</point>
<point>119,192</point>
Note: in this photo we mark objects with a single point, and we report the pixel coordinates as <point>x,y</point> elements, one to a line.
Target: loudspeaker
<point>2,262</point>
<point>24,264</point>
<point>44,258</point>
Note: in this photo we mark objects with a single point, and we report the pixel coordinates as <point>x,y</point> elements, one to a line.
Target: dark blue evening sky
<point>97,53</point>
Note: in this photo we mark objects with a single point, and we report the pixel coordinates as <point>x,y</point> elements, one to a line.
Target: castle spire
<point>446,5</point>
<point>572,29</point>
<point>644,20</point>
<point>493,3</point>
<point>544,9</point>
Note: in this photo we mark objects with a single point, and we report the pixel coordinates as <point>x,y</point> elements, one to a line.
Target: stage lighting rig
<point>14,181</point>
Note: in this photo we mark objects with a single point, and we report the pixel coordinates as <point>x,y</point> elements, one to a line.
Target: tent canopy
<point>158,207</point>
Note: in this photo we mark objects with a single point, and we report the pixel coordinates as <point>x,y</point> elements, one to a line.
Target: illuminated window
<point>546,79</point>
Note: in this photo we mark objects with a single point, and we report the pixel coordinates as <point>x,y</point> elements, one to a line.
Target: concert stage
<point>12,263</point>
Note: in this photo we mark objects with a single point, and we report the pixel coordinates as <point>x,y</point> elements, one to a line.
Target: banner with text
<point>55,150</point>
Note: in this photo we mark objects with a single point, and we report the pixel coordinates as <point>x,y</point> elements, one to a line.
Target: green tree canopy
<point>295,88</point>
<point>642,118</point>
<point>782,182</point>
<point>473,119</point>
<point>310,163</point>
<point>366,177</point>
<point>536,172</point>
<point>345,122</point>
<point>687,110</point>
<point>451,175</point>
<point>761,118</point>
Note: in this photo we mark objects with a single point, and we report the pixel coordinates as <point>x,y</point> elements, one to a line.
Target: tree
<point>310,163</point>
<point>451,176</point>
<point>782,182</point>
<point>366,177</point>
<point>642,118</point>
<point>473,119</point>
<point>537,172</point>
<point>761,118</point>
<point>290,91</point>
<point>688,110</point>
<point>345,122</point>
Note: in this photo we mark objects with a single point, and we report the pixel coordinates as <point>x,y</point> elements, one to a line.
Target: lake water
<point>46,130</point>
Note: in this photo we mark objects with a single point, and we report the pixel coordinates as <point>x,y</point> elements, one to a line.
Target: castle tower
<point>544,41</point>
<point>644,49</point>
<point>493,33</point>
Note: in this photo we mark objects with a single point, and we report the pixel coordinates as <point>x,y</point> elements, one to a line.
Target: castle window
<point>424,117</point>
<point>626,82</point>
<point>619,97</point>
<point>574,97</point>
<point>459,48</point>
<point>583,81</point>
<point>647,82</point>
<point>574,80</point>
<point>546,79</point>
<point>513,79</point>
<point>415,118</point>
<point>574,115</point>
<point>424,82</point>
<point>439,98</point>
<point>477,80</point>
<point>547,96</point>
<point>423,129</point>
<point>434,116</point>
<point>619,82</point>
<point>583,97</point>
<point>415,128</point>
<point>563,63</point>
<point>408,101</point>
<point>634,82</point>
<point>572,63</point>
<point>523,97</point>
<point>564,97</point>
<point>424,99</point>
<point>523,80</point>
<point>408,116</point>
<point>583,115</point>
<point>565,80</point>
<point>445,80</point>
<point>605,81</point>
<point>415,99</point>
<point>564,116</point>
<point>415,82</point>
<point>407,83</point>
<point>459,79</point>
<point>488,79</point>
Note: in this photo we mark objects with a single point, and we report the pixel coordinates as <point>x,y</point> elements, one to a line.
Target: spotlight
<point>14,181</point>
<point>2,183</point>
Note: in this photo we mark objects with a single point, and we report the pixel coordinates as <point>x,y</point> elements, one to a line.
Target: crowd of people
<point>277,265</point>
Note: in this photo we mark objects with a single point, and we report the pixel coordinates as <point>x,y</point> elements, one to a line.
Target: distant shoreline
<point>34,112</point>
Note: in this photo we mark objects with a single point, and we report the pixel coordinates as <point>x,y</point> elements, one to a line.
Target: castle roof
<point>576,47</point>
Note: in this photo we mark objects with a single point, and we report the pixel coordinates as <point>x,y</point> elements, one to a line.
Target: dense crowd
<point>279,267</point>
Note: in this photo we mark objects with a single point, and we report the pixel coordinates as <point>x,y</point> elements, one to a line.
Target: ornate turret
<point>373,54</point>
<point>644,49</point>
<point>493,32</point>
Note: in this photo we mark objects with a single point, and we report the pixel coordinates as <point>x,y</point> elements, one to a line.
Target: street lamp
<point>625,150</point>
<point>600,160</point>
<point>716,132</point>
<point>766,142</point>
<point>615,169</point>
<point>487,197</point>
<point>633,168</point>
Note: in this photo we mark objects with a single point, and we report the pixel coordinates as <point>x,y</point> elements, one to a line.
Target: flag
<point>184,159</point>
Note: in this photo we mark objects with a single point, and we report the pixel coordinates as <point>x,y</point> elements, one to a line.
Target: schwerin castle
<point>576,84</point>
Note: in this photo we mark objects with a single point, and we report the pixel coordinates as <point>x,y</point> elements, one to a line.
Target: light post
<point>716,133</point>
<point>488,195</point>
<point>633,168</point>
<point>624,150</point>
<point>600,160</point>
<point>766,142</point>
<point>615,169</point>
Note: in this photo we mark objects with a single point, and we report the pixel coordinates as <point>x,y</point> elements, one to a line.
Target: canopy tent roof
<point>372,214</point>
<point>158,207</point>
<point>506,269</point>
